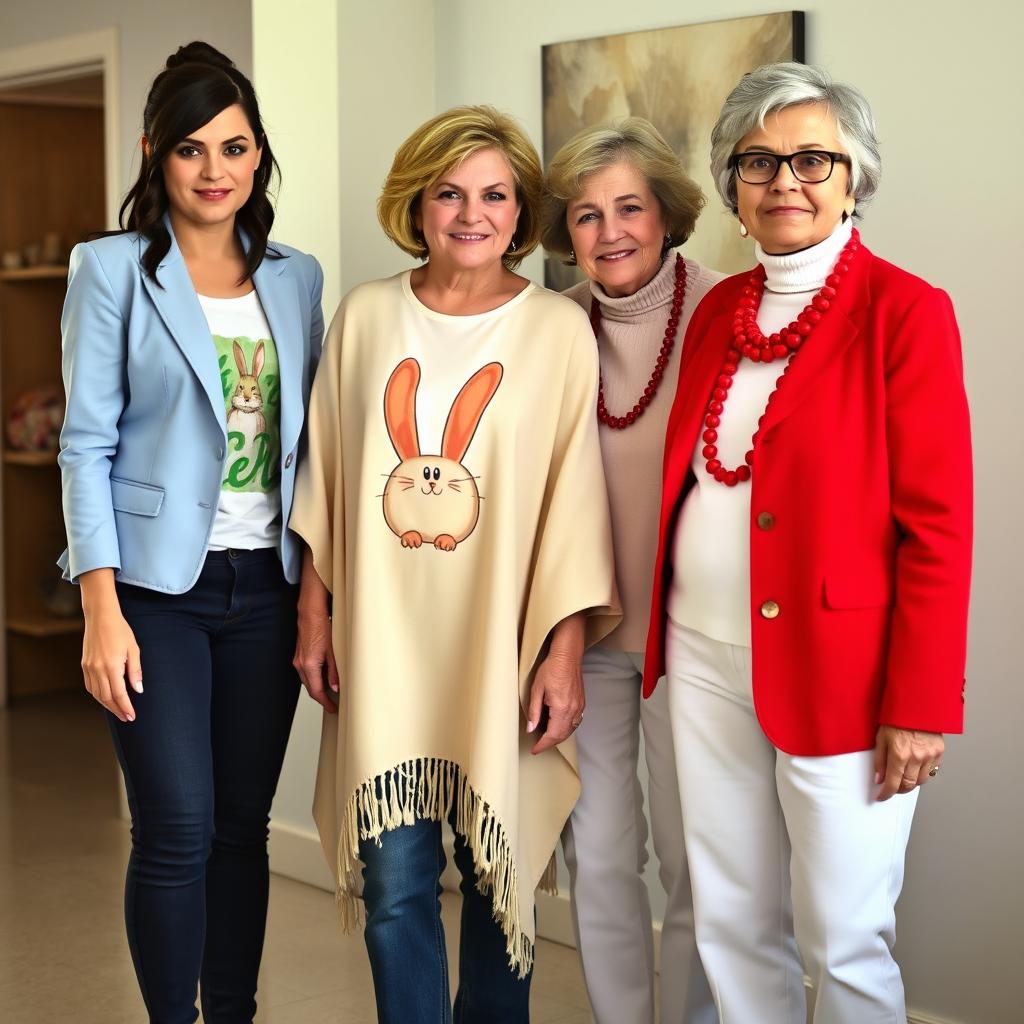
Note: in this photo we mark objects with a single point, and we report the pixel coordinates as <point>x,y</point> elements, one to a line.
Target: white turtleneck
<point>710,589</point>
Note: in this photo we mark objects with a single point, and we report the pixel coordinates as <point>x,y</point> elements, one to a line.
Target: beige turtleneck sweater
<point>631,335</point>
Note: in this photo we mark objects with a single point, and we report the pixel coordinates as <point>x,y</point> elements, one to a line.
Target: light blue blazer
<point>142,452</point>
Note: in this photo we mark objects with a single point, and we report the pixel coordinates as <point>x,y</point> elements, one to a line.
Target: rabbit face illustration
<point>246,413</point>
<point>434,499</point>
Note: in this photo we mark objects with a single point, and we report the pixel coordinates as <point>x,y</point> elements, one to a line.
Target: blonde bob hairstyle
<point>443,143</point>
<point>636,141</point>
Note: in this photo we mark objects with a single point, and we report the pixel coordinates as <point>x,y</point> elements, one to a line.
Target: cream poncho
<point>454,501</point>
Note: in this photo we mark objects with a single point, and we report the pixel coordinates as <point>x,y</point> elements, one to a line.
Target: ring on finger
<point>577,721</point>
<point>933,771</point>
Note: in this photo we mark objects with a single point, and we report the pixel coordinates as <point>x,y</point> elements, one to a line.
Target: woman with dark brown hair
<point>189,347</point>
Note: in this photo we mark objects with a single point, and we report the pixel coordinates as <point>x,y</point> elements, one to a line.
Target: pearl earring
<point>743,230</point>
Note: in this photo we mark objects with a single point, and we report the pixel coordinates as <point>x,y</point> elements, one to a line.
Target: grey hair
<point>774,87</point>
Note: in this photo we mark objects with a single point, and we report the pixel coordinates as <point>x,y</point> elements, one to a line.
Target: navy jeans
<point>405,937</point>
<point>201,763</point>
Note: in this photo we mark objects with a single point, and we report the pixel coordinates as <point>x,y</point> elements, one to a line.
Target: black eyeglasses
<point>811,166</point>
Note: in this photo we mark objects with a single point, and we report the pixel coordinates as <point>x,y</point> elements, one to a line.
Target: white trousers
<point>785,852</point>
<point>605,846</point>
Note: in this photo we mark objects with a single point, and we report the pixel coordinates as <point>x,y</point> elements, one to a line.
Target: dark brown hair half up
<point>197,83</point>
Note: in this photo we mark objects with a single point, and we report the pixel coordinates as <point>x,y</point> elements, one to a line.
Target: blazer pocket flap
<point>858,590</point>
<point>138,499</point>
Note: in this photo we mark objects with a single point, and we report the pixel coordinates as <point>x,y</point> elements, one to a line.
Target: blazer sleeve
<point>316,318</point>
<point>929,451</point>
<point>94,355</point>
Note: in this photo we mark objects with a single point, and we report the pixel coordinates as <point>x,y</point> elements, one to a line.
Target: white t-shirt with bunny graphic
<point>249,507</point>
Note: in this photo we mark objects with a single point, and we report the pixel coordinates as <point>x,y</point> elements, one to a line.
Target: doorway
<point>55,187</point>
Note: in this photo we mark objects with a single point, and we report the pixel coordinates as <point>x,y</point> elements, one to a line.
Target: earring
<point>743,230</point>
<point>572,257</point>
<point>512,246</point>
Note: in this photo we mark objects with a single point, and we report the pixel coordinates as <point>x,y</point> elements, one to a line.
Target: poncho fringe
<point>428,789</point>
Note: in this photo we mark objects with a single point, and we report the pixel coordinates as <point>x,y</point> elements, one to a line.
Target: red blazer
<point>864,464</point>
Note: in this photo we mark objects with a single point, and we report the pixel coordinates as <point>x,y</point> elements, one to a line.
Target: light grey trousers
<point>605,847</point>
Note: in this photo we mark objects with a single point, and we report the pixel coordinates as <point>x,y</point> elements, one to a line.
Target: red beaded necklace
<point>671,329</point>
<point>750,342</point>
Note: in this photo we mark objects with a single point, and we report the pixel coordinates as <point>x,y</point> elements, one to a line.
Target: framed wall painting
<point>677,78</point>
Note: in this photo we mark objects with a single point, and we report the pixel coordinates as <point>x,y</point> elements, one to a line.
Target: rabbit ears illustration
<point>468,407</point>
<point>257,360</point>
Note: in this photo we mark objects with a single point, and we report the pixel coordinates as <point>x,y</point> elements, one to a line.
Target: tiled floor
<point>63,956</point>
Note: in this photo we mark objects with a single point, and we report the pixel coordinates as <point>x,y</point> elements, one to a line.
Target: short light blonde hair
<point>636,141</point>
<point>443,143</point>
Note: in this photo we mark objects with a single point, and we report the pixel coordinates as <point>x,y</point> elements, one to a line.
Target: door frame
<point>52,60</point>
<point>68,57</point>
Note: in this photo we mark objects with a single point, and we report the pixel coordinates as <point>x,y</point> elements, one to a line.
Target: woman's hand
<point>314,651</point>
<point>110,654</point>
<point>558,685</point>
<point>904,759</point>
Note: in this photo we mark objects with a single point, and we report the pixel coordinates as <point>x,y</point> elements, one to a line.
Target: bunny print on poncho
<point>434,499</point>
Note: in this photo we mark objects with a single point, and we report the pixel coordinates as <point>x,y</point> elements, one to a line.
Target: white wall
<point>148,33</point>
<point>296,74</point>
<point>941,77</point>
<point>299,101</point>
<point>386,62</point>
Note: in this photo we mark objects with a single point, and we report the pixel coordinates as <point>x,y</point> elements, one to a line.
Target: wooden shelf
<point>44,625</point>
<point>38,650</point>
<point>16,458</point>
<point>47,273</point>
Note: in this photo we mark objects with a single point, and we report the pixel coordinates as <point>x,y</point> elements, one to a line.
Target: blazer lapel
<point>280,301</point>
<point>696,380</point>
<point>838,330</point>
<point>179,308</point>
